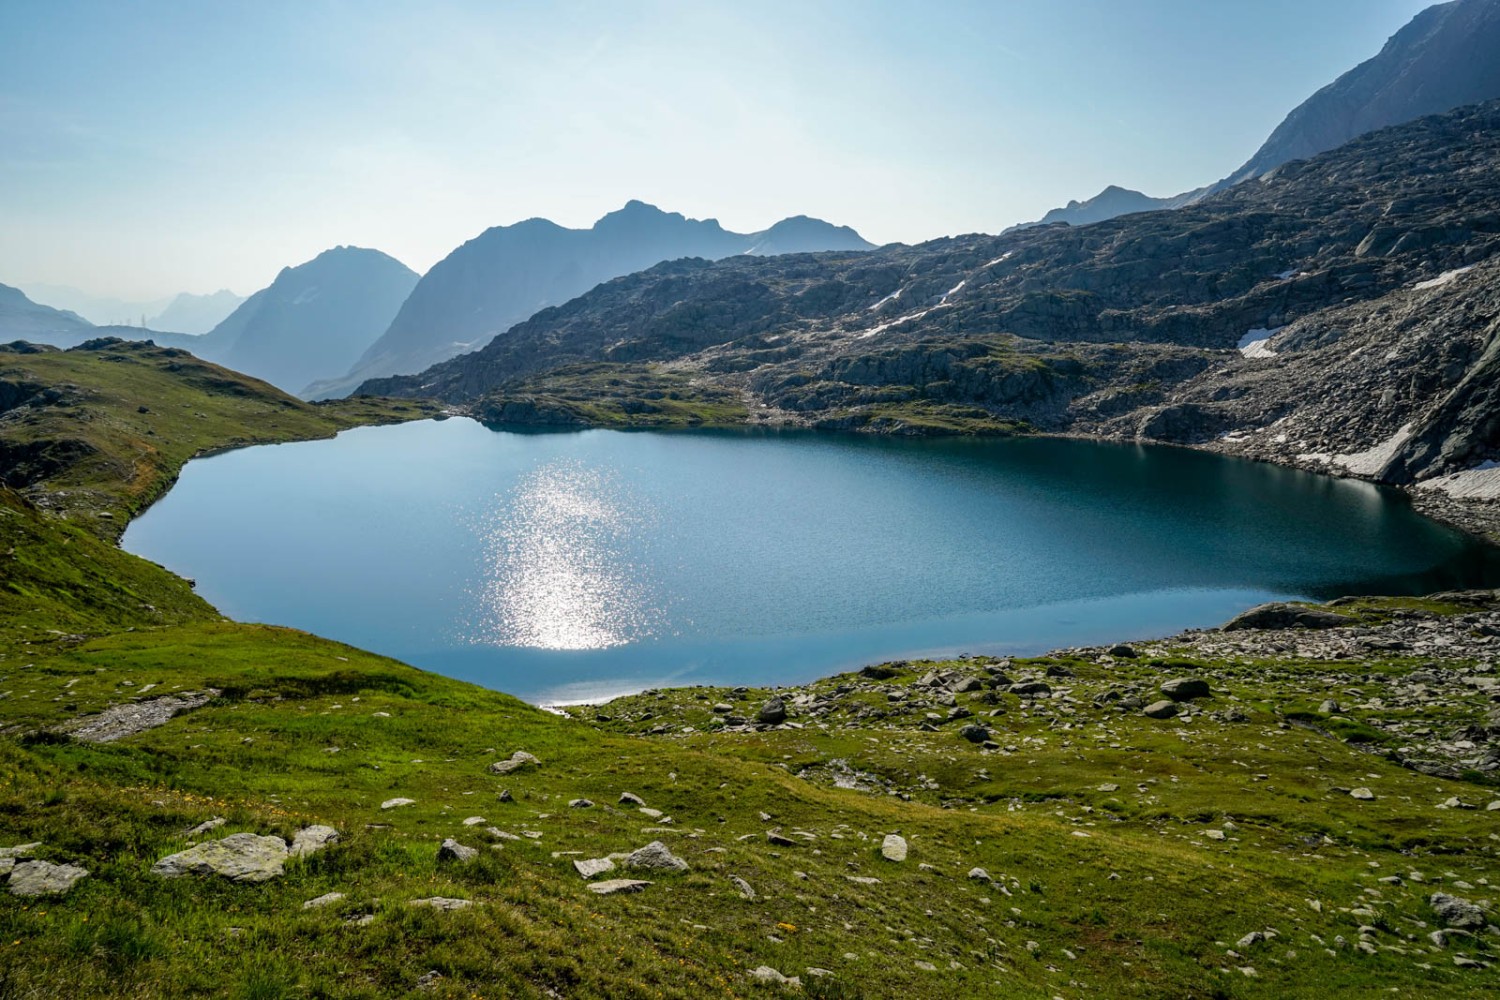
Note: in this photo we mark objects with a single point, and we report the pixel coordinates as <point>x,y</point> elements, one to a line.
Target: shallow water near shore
<point>579,565</point>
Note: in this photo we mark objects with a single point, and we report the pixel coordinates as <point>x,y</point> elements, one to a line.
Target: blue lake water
<point>574,566</point>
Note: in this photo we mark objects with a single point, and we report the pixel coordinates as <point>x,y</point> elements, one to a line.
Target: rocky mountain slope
<point>1448,56</point>
<point>1129,328</point>
<point>314,319</point>
<point>507,273</point>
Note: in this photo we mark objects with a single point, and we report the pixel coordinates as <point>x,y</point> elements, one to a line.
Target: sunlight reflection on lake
<point>557,568</point>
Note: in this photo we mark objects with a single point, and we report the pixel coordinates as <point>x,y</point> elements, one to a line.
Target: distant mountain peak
<point>508,273</point>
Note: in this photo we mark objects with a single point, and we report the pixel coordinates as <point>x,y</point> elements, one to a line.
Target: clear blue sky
<point>159,146</point>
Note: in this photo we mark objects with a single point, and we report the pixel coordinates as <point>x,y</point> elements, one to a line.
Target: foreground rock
<point>39,878</point>
<point>1455,911</point>
<point>1186,688</point>
<point>893,848</point>
<point>772,713</point>
<point>1279,616</point>
<point>517,760</point>
<point>614,885</point>
<point>127,720</point>
<point>766,974</point>
<point>239,857</point>
<point>452,850</point>
<point>655,857</point>
<point>311,839</point>
<point>1161,709</point>
<point>443,903</point>
<point>590,867</point>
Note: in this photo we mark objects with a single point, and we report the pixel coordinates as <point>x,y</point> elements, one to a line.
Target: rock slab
<point>40,878</point>
<point>239,857</point>
<point>655,857</point>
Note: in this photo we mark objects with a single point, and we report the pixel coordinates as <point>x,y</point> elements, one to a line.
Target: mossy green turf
<point>1121,891</point>
<point>131,414</point>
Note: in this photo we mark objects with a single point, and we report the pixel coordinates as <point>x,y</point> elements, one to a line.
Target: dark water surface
<point>572,566</point>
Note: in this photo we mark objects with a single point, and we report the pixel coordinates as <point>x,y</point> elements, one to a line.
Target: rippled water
<point>576,565</point>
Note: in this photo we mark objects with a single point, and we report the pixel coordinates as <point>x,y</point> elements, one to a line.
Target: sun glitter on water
<point>557,567</point>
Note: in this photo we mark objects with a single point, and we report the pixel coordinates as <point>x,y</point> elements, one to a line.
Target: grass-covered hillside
<point>964,829</point>
<point>98,432</point>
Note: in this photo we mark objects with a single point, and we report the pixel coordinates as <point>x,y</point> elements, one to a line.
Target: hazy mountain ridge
<point>315,318</point>
<point>1446,57</point>
<point>1084,329</point>
<point>508,273</point>
<point>196,314</point>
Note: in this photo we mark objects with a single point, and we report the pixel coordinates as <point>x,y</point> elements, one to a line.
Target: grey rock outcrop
<point>1277,615</point>
<point>41,878</point>
<point>655,857</point>
<point>1186,688</point>
<point>893,847</point>
<point>126,720</point>
<point>452,850</point>
<point>772,713</point>
<point>239,857</point>
<point>518,760</point>
<point>1455,911</point>
<point>611,886</point>
<point>311,839</point>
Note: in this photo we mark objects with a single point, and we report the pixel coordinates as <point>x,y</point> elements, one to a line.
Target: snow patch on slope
<point>1370,461</point>
<point>1446,278</point>
<point>1253,344</point>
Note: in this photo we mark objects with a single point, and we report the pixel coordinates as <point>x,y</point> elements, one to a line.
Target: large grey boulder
<point>1455,911</point>
<point>1277,615</point>
<point>239,857</point>
<point>655,857</point>
<point>39,878</point>
<point>772,713</point>
<point>1161,709</point>
<point>893,847</point>
<point>1031,689</point>
<point>1186,688</point>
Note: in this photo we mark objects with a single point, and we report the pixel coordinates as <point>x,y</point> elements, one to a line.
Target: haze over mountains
<point>313,319</point>
<point>1445,57</point>
<point>508,273</point>
<point>1127,328</point>
<point>183,313</point>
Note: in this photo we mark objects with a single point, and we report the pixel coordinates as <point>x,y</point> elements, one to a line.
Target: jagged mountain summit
<point>1446,57</point>
<point>1113,202</point>
<point>1103,329</point>
<point>313,320</point>
<point>507,273</point>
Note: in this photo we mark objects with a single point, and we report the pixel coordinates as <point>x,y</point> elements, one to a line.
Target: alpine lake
<point>575,566</point>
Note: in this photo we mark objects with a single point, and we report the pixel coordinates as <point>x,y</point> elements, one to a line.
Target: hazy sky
<point>159,146</point>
